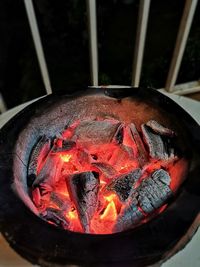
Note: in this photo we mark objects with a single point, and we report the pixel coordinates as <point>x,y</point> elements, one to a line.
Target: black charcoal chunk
<point>160,129</point>
<point>63,204</point>
<point>41,149</point>
<point>95,132</point>
<point>142,153</point>
<point>154,191</point>
<point>162,175</point>
<point>123,184</point>
<point>83,188</point>
<point>160,146</point>
<point>145,204</point>
<point>118,137</point>
<point>149,196</point>
<point>154,143</point>
<point>66,146</point>
<point>106,169</point>
<point>50,172</point>
<point>129,216</point>
<point>129,143</point>
<point>56,217</point>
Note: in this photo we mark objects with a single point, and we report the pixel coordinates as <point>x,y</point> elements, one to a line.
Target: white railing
<point>184,29</point>
<point>92,22</point>
<point>143,15</point>
<point>140,41</point>
<point>38,44</point>
<point>3,106</point>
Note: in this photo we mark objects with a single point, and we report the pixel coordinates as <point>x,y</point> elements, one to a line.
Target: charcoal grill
<point>47,245</point>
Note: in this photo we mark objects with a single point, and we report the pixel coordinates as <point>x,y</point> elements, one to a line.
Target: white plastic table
<point>188,257</point>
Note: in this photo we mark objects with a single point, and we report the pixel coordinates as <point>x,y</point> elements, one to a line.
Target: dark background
<point>63,27</point>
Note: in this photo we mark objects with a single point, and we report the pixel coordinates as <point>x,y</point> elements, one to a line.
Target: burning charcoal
<point>55,216</point>
<point>66,146</point>
<point>159,129</point>
<point>50,173</point>
<point>95,132</point>
<point>106,169</point>
<point>129,216</point>
<point>129,143</point>
<point>83,158</point>
<point>153,192</point>
<point>157,148</point>
<point>38,153</point>
<point>142,153</point>
<point>123,184</point>
<point>162,176</point>
<point>118,137</point>
<point>121,156</point>
<point>36,196</point>
<point>149,196</point>
<point>145,202</point>
<point>83,188</point>
<point>63,204</point>
<point>45,188</point>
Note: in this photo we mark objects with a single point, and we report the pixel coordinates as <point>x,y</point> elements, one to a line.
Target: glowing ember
<point>110,213</point>
<point>72,215</point>
<point>65,157</point>
<point>110,197</point>
<point>100,178</point>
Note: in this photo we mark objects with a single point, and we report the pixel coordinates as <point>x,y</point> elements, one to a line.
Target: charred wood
<point>56,217</point>
<point>63,203</point>
<point>106,169</point>
<point>129,142</point>
<point>160,129</point>
<point>122,185</point>
<point>154,191</point>
<point>95,132</point>
<point>83,189</point>
<point>142,153</point>
<point>119,135</point>
<point>66,146</point>
<point>40,151</point>
<point>149,196</point>
<point>159,148</point>
<point>36,197</point>
<point>50,172</point>
<point>129,216</point>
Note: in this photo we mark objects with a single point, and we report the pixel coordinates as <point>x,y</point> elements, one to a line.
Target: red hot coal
<point>104,176</point>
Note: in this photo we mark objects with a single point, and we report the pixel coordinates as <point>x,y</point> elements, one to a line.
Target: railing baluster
<point>3,106</point>
<point>38,44</point>
<point>140,41</point>
<point>92,21</point>
<point>181,41</point>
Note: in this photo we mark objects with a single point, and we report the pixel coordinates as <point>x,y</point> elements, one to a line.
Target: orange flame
<point>110,213</point>
<point>72,215</point>
<point>65,193</point>
<point>110,198</point>
<point>102,182</point>
<point>65,157</point>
